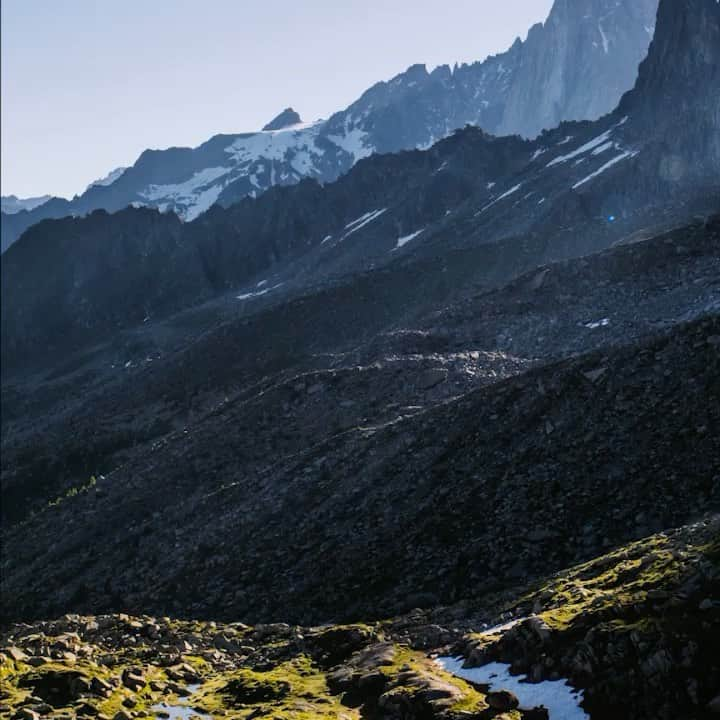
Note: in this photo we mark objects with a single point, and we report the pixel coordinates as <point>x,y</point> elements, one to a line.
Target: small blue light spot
<point>611,218</point>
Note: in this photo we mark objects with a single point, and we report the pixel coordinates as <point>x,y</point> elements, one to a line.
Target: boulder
<point>502,700</point>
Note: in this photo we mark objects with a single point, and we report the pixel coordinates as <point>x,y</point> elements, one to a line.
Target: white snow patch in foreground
<point>606,166</point>
<point>561,700</point>
<point>407,238</point>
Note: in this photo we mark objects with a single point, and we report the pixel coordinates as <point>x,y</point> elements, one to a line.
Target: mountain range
<point>575,66</point>
<point>459,402</point>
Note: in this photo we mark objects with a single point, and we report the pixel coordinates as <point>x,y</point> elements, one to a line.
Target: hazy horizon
<point>86,88</point>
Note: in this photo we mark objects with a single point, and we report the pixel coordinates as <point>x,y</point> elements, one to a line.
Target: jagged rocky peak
<point>285,119</point>
<point>577,64</point>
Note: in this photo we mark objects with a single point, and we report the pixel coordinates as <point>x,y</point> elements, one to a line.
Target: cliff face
<point>676,100</point>
<point>577,64</point>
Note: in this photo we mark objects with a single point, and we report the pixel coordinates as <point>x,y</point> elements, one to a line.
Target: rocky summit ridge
<point>575,66</point>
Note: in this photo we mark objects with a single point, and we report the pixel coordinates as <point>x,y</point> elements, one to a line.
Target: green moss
<point>74,491</point>
<point>294,690</point>
<point>610,584</point>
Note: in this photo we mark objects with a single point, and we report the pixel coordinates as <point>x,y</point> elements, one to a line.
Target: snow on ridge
<point>259,293</point>
<point>598,144</point>
<point>402,241</point>
<point>353,143</point>
<point>194,196</point>
<point>606,166</point>
<point>109,179</point>
<point>12,204</point>
<point>295,128</point>
<point>509,192</point>
<point>605,41</point>
<point>587,147</point>
<point>362,221</point>
<point>295,144</point>
<point>603,148</point>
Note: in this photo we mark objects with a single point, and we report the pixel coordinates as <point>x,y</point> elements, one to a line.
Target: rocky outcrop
<point>285,119</point>
<point>635,628</point>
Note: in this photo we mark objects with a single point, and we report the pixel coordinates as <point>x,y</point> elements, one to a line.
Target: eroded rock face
<point>627,627</point>
<point>577,64</point>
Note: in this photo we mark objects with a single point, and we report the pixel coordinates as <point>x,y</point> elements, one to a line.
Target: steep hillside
<point>298,443</point>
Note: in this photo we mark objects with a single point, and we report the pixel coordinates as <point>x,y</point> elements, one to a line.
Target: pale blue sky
<point>88,84</point>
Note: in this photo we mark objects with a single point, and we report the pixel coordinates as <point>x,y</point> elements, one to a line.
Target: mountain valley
<point>370,444</point>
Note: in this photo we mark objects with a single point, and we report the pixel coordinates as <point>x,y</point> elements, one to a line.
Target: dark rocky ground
<point>435,457</point>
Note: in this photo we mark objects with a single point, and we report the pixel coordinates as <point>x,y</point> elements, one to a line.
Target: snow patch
<point>511,191</point>
<point>595,142</point>
<point>109,179</point>
<point>561,700</point>
<point>295,145</point>
<point>194,196</point>
<point>402,241</point>
<point>259,293</point>
<point>12,204</point>
<point>605,42</point>
<point>595,324</point>
<point>603,148</point>
<point>352,141</point>
<point>362,221</point>
<point>606,166</point>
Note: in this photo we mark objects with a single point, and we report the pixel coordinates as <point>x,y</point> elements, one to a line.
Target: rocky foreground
<point>637,629</point>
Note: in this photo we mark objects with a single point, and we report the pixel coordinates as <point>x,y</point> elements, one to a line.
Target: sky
<point>87,85</point>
